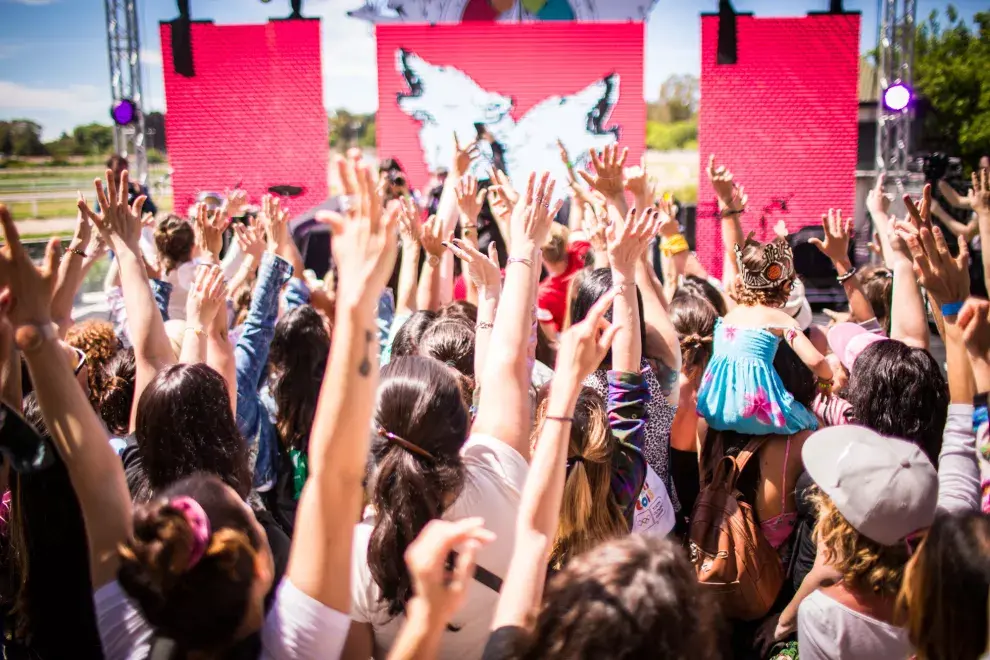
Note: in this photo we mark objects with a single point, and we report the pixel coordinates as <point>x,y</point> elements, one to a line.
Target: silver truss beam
<point>124,51</point>
<point>895,61</point>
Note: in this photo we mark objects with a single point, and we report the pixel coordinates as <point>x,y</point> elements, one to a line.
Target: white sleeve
<point>124,633</point>
<point>814,640</point>
<point>958,469</point>
<point>299,627</point>
<point>232,261</point>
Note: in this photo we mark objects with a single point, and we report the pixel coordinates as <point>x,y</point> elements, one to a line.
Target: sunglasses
<point>21,444</point>
<point>78,360</point>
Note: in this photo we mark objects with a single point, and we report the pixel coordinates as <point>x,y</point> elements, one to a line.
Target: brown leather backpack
<point>734,561</point>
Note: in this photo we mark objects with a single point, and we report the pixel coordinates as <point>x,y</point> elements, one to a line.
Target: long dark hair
<point>203,607</point>
<point>406,340</point>
<point>693,317</point>
<point>117,398</point>
<point>595,285</point>
<point>185,425</point>
<point>298,359</point>
<point>419,402</point>
<point>887,376</point>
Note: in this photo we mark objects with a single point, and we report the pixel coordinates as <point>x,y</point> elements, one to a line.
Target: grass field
<point>45,209</point>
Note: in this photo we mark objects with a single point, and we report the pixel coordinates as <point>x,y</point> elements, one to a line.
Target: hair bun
<point>695,340</point>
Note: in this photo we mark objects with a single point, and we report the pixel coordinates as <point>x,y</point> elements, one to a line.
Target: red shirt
<point>552,295</point>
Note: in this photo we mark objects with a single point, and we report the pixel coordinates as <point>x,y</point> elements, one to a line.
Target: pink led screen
<point>783,119</point>
<point>251,115</point>
<point>528,84</point>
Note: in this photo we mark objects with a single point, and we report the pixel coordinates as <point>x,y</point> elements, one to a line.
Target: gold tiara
<point>776,265</point>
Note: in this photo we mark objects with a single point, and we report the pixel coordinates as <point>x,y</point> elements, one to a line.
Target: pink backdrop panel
<point>252,114</point>
<point>783,119</point>
<point>529,84</point>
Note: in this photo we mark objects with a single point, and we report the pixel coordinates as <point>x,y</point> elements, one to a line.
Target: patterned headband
<point>776,266</point>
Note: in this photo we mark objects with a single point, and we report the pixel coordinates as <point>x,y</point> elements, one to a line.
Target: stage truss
<point>124,51</point>
<point>895,63</point>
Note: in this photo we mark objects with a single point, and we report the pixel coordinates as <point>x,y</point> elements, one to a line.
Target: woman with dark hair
<point>298,360</point>
<point>117,401</point>
<point>185,425</point>
<point>406,339</point>
<point>430,463</point>
<point>451,341</point>
<point>702,288</point>
<point>193,565</point>
<point>175,241</point>
<point>944,595</point>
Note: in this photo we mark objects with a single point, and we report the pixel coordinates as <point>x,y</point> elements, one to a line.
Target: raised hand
<point>432,237</point>
<point>979,194</point>
<point>463,157</point>
<point>274,222</point>
<point>946,278</point>
<point>729,194</point>
<point>974,320</point>
<point>837,232</point>
<point>410,226</point>
<point>920,215</point>
<point>583,346</point>
<point>365,241</point>
<point>469,199</point>
<point>500,183</point>
<point>118,222</point>
<point>877,203</point>
<point>594,225</point>
<point>206,296</point>
<point>234,203</point>
<point>84,230</point>
<point>628,239</point>
<point>531,220</point>
<point>482,269</point>
<point>250,239</point>
<point>27,292</point>
<point>208,228</point>
<point>638,182</point>
<point>608,177</point>
<point>667,219</point>
<point>437,589</point>
<point>147,220</point>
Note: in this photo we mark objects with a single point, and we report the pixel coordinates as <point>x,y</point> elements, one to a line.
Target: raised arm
<point>582,349</point>
<point>206,297</point>
<point>979,200</point>
<point>908,319</point>
<point>608,178</point>
<point>429,294</point>
<point>410,230</point>
<point>662,342</point>
<point>504,408</point>
<point>487,279</point>
<point>836,248</point>
<point>120,226</point>
<point>71,274</point>
<point>275,219</point>
<point>627,239</point>
<point>469,202</point>
<point>732,201</point>
<point>364,245</point>
<point>952,197</point>
<point>96,472</point>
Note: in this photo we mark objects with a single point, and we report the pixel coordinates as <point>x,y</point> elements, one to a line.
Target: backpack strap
<point>749,450</point>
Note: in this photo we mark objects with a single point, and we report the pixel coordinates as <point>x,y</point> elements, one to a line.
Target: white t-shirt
<point>181,279</point>
<point>296,628</point>
<point>493,483</point>
<point>654,514</point>
<point>829,629</point>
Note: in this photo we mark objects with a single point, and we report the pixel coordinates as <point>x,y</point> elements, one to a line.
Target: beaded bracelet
<point>519,260</point>
<point>847,275</point>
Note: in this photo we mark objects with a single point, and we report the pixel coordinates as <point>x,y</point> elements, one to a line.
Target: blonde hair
<point>863,563</point>
<point>589,514</point>
<point>555,247</point>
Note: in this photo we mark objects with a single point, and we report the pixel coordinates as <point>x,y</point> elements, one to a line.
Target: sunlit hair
<point>555,247</point>
<point>694,319</point>
<point>589,514</point>
<point>943,601</point>
<point>878,287</point>
<point>864,564</point>
<point>752,261</point>
<point>634,597</point>
<point>174,239</point>
<point>99,342</point>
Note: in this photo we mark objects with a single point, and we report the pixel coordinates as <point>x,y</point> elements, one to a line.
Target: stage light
<point>897,96</point>
<point>123,112</point>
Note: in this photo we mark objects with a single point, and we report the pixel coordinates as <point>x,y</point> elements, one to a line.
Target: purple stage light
<point>897,96</point>
<point>123,112</point>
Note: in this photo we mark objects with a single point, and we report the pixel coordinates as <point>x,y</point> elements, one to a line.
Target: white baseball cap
<point>886,488</point>
<point>797,304</point>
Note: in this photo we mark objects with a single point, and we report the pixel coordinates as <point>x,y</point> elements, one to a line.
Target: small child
<point>740,390</point>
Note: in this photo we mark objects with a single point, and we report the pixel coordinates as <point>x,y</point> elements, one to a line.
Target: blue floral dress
<point>742,392</point>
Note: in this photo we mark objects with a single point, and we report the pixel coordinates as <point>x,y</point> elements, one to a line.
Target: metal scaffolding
<point>895,63</point>
<point>124,51</point>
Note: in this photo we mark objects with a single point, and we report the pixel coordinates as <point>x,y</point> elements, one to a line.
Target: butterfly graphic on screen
<point>445,100</point>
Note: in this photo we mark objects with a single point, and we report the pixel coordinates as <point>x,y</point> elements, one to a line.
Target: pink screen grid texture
<point>252,115</point>
<point>526,63</point>
<point>783,119</point>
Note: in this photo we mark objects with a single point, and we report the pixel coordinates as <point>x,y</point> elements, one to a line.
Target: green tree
<point>351,129</point>
<point>92,139</point>
<point>677,101</point>
<point>21,137</point>
<point>952,73</point>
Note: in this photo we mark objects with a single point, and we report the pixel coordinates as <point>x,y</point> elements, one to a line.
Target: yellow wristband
<point>671,245</point>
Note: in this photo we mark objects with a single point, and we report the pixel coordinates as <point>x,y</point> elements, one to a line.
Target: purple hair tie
<point>199,523</point>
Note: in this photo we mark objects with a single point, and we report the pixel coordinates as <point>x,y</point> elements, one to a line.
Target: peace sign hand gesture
<point>118,222</point>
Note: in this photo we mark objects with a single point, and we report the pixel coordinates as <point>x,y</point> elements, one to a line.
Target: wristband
<point>519,260</point>
<point>726,212</point>
<point>200,332</point>
<point>980,412</point>
<point>76,251</point>
<point>848,274</point>
<point>824,386</point>
<point>562,420</point>
<point>31,336</point>
<point>671,245</point>
<point>952,308</point>
<point>484,325</point>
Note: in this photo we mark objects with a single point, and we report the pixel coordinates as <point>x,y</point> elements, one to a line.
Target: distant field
<point>47,209</point>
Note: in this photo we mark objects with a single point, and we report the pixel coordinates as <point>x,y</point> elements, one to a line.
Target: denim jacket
<point>254,420</point>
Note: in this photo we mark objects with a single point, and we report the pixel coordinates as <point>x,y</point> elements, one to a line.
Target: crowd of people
<point>491,431</point>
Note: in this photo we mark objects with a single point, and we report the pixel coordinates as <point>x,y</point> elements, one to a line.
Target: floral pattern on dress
<point>762,408</point>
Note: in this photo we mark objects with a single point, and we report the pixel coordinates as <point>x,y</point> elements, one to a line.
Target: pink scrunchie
<point>199,523</point>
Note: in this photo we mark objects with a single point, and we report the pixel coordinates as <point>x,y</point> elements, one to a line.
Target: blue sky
<point>53,57</point>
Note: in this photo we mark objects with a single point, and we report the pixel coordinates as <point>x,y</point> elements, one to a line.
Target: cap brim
<point>819,455</point>
<point>839,337</point>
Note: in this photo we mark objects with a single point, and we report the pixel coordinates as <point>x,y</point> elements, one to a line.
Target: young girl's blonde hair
<point>775,276</point>
<point>589,514</point>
